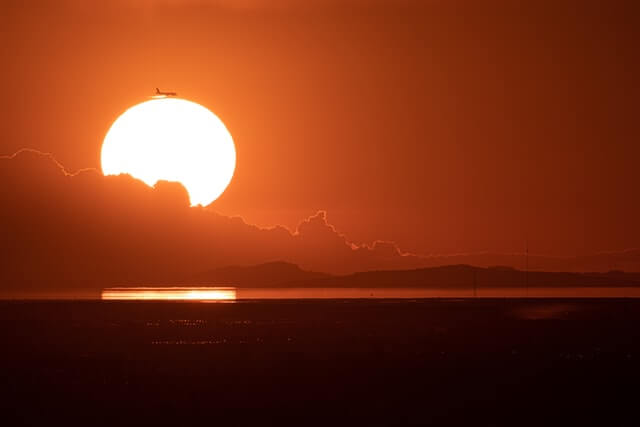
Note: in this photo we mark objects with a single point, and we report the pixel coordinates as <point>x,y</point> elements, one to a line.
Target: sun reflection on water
<point>203,294</point>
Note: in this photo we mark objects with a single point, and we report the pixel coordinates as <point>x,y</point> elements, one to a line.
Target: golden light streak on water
<point>169,294</point>
<point>213,294</point>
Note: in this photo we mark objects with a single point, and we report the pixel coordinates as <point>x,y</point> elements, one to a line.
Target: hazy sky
<point>446,126</point>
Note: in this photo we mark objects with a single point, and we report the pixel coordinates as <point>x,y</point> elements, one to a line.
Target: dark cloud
<point>81,230</point>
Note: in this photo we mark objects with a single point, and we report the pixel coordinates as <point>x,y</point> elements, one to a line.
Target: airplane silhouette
<point>159,93</point>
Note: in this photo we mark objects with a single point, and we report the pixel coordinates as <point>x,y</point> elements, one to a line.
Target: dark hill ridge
<point>283,274</point>
<point>465,276</point>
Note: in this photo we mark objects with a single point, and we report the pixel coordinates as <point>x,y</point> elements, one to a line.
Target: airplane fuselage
<point>160,93</point>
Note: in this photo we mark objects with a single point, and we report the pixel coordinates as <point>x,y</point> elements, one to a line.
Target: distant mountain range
<point>287,275</point>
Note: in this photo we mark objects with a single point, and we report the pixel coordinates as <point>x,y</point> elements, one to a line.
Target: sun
<point>172,139</point>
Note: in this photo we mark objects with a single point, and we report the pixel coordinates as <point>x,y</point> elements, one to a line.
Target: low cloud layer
<point>81,230</point>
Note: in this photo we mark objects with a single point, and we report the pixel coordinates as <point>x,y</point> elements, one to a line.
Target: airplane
<point>158,93</point>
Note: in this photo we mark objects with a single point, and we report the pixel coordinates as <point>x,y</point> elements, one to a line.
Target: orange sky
<point>447,127</point>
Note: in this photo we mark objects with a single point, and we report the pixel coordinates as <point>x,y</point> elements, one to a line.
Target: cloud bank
<point>83,230</point>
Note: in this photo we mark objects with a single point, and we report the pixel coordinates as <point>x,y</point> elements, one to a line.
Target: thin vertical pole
<point>475,285</point>
<point>526,268</point>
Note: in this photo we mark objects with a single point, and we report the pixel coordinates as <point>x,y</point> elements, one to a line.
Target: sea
<point>225,356</point>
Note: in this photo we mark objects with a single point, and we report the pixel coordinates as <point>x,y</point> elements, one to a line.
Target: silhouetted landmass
<point>272,274</point>
<point>283,274</point>
<point>465,276</point>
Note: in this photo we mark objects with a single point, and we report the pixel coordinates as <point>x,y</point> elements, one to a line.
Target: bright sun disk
<point>172,139</point>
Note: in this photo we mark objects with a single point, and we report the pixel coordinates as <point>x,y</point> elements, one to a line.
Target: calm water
<point>358,361</point>
<point>230,293</point>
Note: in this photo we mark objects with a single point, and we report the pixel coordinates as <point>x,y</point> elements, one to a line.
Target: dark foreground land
<point>329,362</point>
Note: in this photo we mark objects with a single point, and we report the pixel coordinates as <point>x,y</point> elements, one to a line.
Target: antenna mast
<point>475,284</point>
<point>526,268</point>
